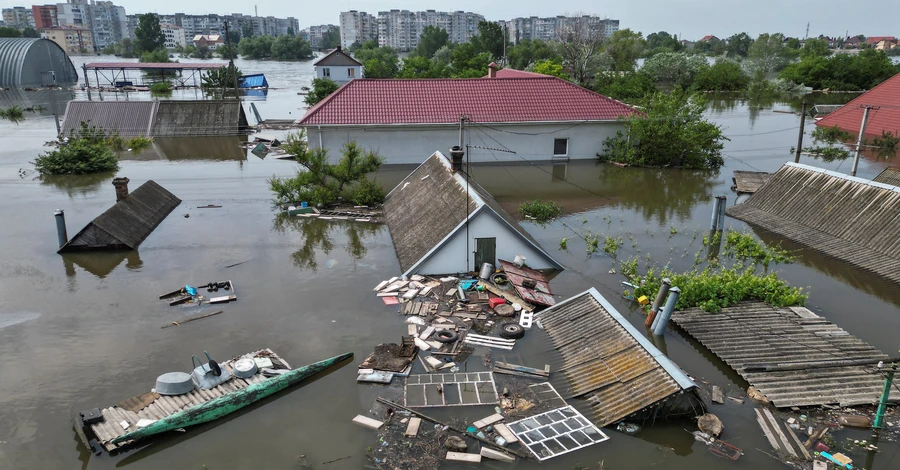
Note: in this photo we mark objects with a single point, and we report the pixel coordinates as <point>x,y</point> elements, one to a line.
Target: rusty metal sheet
<point>139,402</point>
<point>540,294</point>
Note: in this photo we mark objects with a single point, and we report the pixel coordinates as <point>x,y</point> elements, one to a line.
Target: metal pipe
<point>61,234</point>
<point>885,394</point>
<point>715,214</point>
<point>720,224</point>
<point>660,296</point>
<point>659,327</point>
<point>859,140</point>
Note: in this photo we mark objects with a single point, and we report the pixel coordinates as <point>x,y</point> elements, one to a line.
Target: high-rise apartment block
<point>18,17</point>
<point>315,34</point>
<point>106,21</point>
<point>44,16</point>
<point>547,29</point>
<point>400,29</point>
<point>358,27</point>
<point>194,25</point>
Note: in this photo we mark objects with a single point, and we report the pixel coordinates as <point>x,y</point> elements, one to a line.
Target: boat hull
<point>231,402</point>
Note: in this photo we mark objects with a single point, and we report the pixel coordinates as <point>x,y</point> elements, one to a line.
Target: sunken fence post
<point>657,303</point>
<point>714,222</point>
<point>659,326</point>
<point>61,235</point>
<point>720,225</point>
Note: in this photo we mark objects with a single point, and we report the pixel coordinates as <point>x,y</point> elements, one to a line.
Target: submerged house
<point>339,67</point>
<point>28,62</point>
<point>852,219</point>
<point>524,116</point>
<point>885,96</point>
<point>443,222</point>
<point>167,118</point>
<point>604,359</point>
<point>127,223</point>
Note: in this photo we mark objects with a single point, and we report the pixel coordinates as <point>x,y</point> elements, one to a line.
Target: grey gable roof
<point>127,223</point>
<point>167,118</point>
<point>337,57</point>
<point>428,206</point>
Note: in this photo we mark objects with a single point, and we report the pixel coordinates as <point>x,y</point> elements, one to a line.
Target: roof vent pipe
<point>456,157</point>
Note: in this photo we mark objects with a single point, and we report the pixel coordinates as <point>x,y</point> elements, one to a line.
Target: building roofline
<point>843,176</point>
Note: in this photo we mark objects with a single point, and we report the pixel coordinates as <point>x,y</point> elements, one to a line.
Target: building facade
<point>314,34</point>
<point>357,27</point>
<point>106,21</point>
<point>401,29</point>
<point>338,67</point>
<point>547,29</point>
<point>211,41</point>
<point>174,35</point>
<point>73,40</point>
<point>194,25</point>
<point>18,17</point>
<point>44,16</point>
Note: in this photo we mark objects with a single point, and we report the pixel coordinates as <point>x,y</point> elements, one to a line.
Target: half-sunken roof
<point>849,218</point>
<point>337,57</point>
<point>890,175</point>
<point>170,118</point>
<point>428,205</point>
<point>127,223</point>
<point>607,360</point>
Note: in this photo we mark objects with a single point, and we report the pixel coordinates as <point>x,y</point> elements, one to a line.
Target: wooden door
<point>485,252</point>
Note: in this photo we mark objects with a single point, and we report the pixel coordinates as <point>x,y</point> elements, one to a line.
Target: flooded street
<point>82,331</point>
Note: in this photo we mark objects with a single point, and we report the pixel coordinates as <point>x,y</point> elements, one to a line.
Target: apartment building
<point>357,26</point>
<point>106,21</point>
<point>44,16</point>
<point>400,29</point>
<point>546,29</point>
<point>174,35</point>
<point>205,25</point>
<point>72,39</point>
<point>314,34</point>
<point>18,17</point>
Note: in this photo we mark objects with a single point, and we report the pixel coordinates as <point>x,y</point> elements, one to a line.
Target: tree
<point>627,87</point>
<point>378,62</point>
<point>663,40</point>
<point>550,67</point>
<point>322,182</point>
<point>674,68</point>
<point>156,56</point>
<point>291,48</point>
<point>86,151</point>
<point>842,72</point>
<point>234,35</point>
<point>738,45</point>
<point>527,52</point>
<point>321,88</point>
<point>259,47</point>
<point>768,53</point>
<point>713,47</point>
<point>148,34</point>
<point>222,77</point>
<point>673,133</point>
<point>624,48</point>
<point>226,51</point>
<point>579,45</point>
<point>724,75</point>
<point>468,63</point>
<point>793,43</point>
<point>203,52</point>
<point>490,38</point>
<point>331,39</point>
<point>246,31</point>
<point>7,32</point>
<point>432,39</point>
<point>30,32</point>
<point>421,67</point>
<point>815,47</point>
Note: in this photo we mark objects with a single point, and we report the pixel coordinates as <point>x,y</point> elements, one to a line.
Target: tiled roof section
<point>443,101</point>
<point>887,117</point>
<point>513,73</point>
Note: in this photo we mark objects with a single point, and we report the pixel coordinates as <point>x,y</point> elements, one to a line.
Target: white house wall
<point>406,144</point>
<point>338,73</point>
<point>451,258</point>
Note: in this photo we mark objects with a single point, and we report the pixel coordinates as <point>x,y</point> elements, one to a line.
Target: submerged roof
<point>852,219</point>
<point>890,175</point>
<point>170,118</point>
<point>607,360</point>
<point>337,57</point>
<point>257,80</point>
<point>751,334</point>
<point>427,207</point>
<point>27,62</point>
<point>152,65</point>
<point>127,223</point>
<point>886,118</point>
<point>443,100</point>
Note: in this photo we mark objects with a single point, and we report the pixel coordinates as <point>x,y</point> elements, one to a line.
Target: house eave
<point>456,125</point>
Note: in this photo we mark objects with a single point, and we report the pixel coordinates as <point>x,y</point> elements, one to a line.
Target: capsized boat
<point>151,413</point>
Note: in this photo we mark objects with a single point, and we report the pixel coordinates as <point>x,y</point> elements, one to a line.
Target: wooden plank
<point>463,457</point>
<point>411,294</point>
<point>785,444</point>
<point>422,344</point>
<point>766,430</point>
<point>412,330</point>
<point>434,362</point>
<point>367,422</point>
<point>387,294</point>
<point>413,427</point>
<point>381,285</point>
<point>545,372</point>
<point>717,395</point>
<point>485,422</point>
<point>799,444</point>
<point>506,433</point>
<point>496,455</point>
<point>506,295</point>
<point>425,334</point>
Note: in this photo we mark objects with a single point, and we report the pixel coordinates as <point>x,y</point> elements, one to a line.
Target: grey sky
<point>691,18</point>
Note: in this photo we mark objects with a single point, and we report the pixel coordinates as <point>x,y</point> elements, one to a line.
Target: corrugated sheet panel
<point>753,333</point>
<point>605,360</point>
<point>12,56</point>
<point>197,118</point>
<point>890,175</point>
<point>254,81</point>
<point>849,218</point>
<point>126,118</point>
<point>23,61</point>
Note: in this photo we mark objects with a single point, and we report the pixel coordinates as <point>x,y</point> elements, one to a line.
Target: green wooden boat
<point>231,402</point>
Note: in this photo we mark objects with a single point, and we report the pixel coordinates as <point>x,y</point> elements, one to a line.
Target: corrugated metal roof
<point>607,360</point>
<point>126,118</point>
<point>753,333</point>
<point>890,175</point>
<point>153,65</point>
<point>24,60</point>
<point>254,81</point>
<point>443,100</point>
<point>127,223</point>
<point>852,219</point>
<point>170,118</point>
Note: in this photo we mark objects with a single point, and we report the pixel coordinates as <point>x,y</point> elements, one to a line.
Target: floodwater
<point>78,332</point>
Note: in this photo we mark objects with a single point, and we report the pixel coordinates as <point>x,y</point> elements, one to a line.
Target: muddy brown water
<point>80,331</point>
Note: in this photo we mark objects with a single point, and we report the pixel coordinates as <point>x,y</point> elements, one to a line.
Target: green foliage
<point>87,151</point>
<point>13,114</point>
<point>550,67</point>
<point>743,246</point>
<point>541,211</point>
<point>887,140</point>
<point>123,48</point>
<point>663,39</point>
<point>226,51</point>
<point>831,135</point>
<point>246,31</point>
<point>724,75</point>
<point>331,39</point>
<point>159,55</point>
<point>161,88</point>
<point>611,245</point>
<point>861,71</point>
<point>467,62</point>
<point>527,52</point>
<point>713,47</point>
<point>292,48</point>
<point>624,48</point>
<point>769,55</point>
<point>628,87</point>
<point>815,48</point>
<point>490,39</point>
<point>222,77</point>
<point>148,35</point>
<point>738,45</point>
<point>30,32</point>
<point>197,52</point>
<point>322,182</point>
<point>378,62</point>
<point>321,88</point>
<point>564,244</point>
<point>674,68</point>
<point>422,67</point>
<point>7,32</point>
<point>674,133</point>
<point>134,144</point>
<point>432,39</point>
<point>256,48</point>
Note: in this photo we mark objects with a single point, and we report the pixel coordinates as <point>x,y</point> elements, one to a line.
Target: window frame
<point>326,72</point>
<point>351,72</point>
<point>566,154</point>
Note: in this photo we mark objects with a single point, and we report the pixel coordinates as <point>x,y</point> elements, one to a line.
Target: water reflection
<point>318,237</point>
<point>191,148</point>
<point>78,185</point>
<point>37,101</point>
<point>101,264</point>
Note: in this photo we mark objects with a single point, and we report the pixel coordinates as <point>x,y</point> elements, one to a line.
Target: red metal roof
<point>444,100</point>
<point>513,73</point>
<point>152,65</point>
<point>887,117</point>
<point>876,39</point>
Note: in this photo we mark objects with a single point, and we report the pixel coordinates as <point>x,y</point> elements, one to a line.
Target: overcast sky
<point>691,19</point>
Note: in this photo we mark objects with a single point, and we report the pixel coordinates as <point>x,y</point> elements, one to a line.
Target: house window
<point>351,72</point>
<point>560,147</point>
<point>326,72</point>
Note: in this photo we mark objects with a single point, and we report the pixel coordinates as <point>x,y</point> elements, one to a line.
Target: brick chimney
<point>121,185</point>
<point>456,157</point>
<point>492,70</point>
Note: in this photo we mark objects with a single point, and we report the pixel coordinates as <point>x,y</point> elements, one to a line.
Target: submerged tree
<point>222,77</point>
<point>321,88</point>
<point>88,150</point>
<point>580,45</point>
<point>148,34</point>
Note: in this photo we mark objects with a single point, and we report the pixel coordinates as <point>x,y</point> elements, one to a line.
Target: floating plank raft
<point>793,356</point>
<point>747,182</point>
<point>163,406</point>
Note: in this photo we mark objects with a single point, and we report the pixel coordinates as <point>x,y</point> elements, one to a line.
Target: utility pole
<point>802,129</point>
<point>231,62</point>
<point>807,31</point>
<point>859,140</point>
